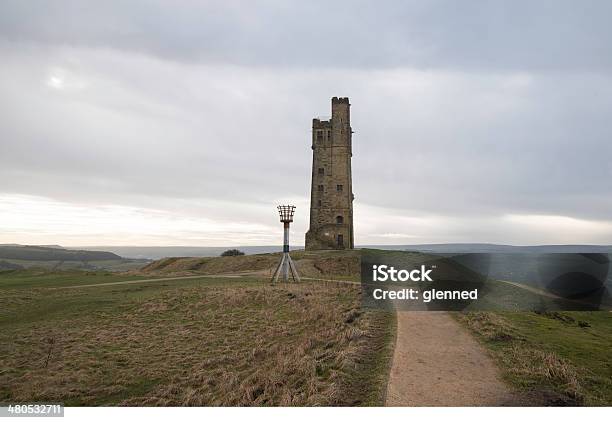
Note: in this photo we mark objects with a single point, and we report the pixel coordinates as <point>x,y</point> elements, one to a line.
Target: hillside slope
<point>309,263</point>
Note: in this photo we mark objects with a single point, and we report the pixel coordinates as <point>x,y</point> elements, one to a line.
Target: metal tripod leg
<point>294,272</point>
<point>277,272</point>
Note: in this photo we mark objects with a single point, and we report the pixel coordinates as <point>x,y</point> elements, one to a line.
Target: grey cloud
<point>546,34</point>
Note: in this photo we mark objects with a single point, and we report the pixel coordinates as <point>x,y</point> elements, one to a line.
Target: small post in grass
<point>286,264</point>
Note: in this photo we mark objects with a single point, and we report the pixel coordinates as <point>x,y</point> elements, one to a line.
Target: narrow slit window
<point>339,188</point>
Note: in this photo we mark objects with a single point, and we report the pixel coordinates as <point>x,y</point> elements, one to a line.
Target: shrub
<point>232,252</point>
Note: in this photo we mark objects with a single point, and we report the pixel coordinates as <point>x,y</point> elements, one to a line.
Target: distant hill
<point>156,253</point>
<point>54,253</point>
<point>497,248</point>
<point>56,257</point>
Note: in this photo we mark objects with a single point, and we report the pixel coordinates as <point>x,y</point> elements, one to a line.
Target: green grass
<point>202,341</point>
<point>375,368</point>
<point>42,278</point>
<point>554,357</point>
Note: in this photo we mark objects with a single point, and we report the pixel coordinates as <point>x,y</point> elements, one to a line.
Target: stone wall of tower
<point>331,195</point>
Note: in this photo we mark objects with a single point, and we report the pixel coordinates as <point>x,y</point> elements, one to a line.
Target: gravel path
<point>438,363</point>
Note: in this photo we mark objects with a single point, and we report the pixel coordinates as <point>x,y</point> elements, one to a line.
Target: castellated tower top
<point>344,100</point>
<point>331,195</point>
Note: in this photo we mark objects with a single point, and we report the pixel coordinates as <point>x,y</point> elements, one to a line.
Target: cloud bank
<point>156,124</point>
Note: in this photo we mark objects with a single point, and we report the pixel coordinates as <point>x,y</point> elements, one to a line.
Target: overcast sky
<point>186,123</point>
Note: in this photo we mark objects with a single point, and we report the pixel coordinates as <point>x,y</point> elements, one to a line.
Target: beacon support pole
<point>286,265</point>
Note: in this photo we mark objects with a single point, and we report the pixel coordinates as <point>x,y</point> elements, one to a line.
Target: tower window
<point>320,188</point>
<point>339,188</point>
<point>318,203</point>
<point>321,171</point>
<point>339,220</point>
<point>340,240</point>
<point>319,136</point>
<point>328,134</point>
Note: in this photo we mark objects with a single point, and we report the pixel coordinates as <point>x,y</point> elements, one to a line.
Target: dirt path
<point>128,282</point>
<point>438,363</point>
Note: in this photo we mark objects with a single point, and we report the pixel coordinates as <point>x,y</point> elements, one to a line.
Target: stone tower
<point>331,191</point>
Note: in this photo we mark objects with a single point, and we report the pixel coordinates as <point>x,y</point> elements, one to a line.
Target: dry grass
<point>534,363</point>
<point>306,344</point>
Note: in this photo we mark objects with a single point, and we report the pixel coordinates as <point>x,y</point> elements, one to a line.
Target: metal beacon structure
<point>286,265</point>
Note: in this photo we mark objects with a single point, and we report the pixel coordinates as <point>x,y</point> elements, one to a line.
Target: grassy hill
<point>315,264</point>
